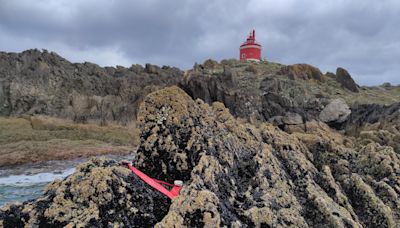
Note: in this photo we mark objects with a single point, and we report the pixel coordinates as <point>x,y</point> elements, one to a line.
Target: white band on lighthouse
<point>250,46</point>
<point>251,59</point>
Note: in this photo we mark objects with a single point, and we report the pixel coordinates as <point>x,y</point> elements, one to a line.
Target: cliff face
<point>235,174</point>
<point>35,82</point>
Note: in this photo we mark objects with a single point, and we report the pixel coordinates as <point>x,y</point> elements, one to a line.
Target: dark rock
<point>345,79</point>
<point>222,87</point>
<point>274,104</point>
<point>152,69</point>
<point>35,82</point>
<point>375,123</point>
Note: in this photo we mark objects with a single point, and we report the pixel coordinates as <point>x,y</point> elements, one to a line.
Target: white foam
<point>36,178</point>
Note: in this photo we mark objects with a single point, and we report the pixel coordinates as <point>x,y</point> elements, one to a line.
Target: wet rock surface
<point>235,174</point>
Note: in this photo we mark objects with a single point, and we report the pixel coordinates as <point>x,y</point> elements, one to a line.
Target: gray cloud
<point>361,35</point>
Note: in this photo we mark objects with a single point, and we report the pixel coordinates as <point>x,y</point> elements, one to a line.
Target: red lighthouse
<point>250,49</point>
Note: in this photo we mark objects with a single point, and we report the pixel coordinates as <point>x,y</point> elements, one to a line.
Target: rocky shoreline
<point>235,174</point>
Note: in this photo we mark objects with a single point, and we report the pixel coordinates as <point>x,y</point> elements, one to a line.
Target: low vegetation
<point>41,138</point>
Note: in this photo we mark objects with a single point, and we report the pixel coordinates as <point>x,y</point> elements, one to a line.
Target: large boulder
<point>337,111</point>
<point>345,79</point>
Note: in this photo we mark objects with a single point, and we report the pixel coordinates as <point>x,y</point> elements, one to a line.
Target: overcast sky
<point>362,36</point>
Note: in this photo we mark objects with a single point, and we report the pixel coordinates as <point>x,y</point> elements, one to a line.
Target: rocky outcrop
<point>266,90</point>
<point>375,123</point>
<point>253,91</point>
<point>227,85</point>
<point>101,193</point>
<point>302,71</point>
<point>39,82</point>
<point>345,79</point>
<point>235,174</point>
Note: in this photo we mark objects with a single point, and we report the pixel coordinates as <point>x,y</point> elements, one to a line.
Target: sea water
<point>23,187</point>
<point>27,182</point>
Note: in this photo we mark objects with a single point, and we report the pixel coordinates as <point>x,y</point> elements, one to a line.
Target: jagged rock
<point>222,87</point>
<point>337,111</point>
<point>152,69</point>
<point>235,175</point>
<point>345,79</point>
<point>35,82</point>
<point>375,123</point>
